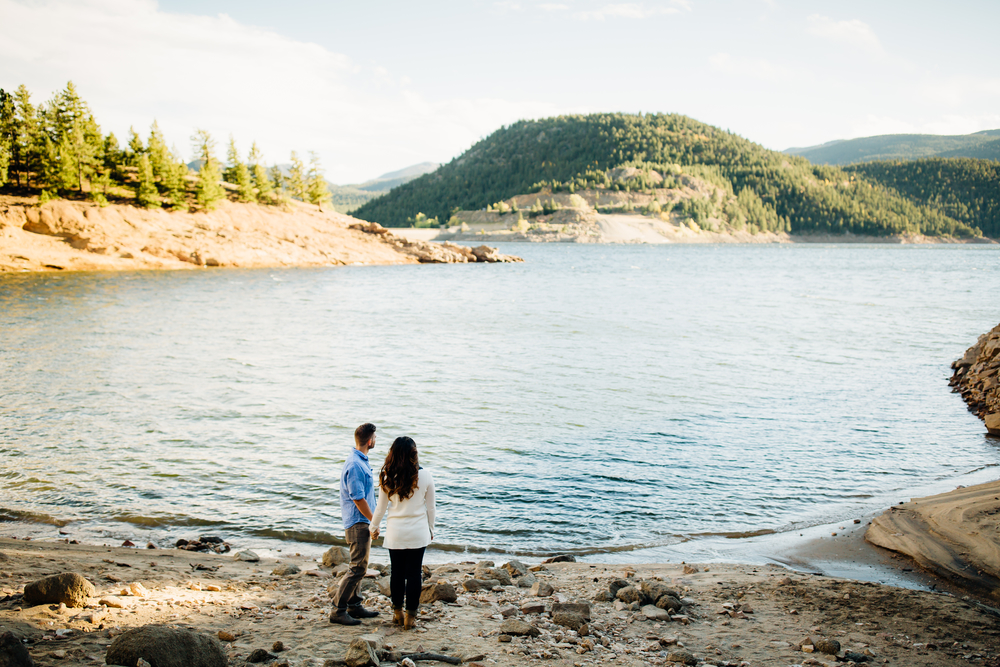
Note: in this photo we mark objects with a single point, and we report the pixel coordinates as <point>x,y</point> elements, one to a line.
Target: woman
<point>410,526</point>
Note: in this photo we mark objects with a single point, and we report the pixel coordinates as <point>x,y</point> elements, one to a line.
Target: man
<point>357,502</point>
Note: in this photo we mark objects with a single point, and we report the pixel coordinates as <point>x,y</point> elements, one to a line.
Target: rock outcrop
<point>435,253</point>
<point>977,378</point>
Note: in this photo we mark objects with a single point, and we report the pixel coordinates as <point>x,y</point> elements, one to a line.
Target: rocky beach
<point>164,605</point>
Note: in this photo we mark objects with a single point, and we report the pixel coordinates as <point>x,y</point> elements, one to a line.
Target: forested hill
<point>985,145</point>
<point>568,153</point>
<point>964,189</point>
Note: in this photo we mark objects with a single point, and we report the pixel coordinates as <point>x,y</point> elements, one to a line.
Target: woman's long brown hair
<point>399,472</point>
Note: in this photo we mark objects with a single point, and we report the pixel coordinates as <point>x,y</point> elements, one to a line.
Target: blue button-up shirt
<point>356,483</point>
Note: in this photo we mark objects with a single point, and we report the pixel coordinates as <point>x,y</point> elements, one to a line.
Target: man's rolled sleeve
<point>355,486</point>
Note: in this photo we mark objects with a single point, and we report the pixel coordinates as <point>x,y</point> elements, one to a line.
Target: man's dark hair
<point>363,434</point>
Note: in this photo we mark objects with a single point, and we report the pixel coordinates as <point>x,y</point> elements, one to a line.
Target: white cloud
<point>853,33</point>
<point>551,7</point>
<point>508,6</point>
<point>630,10</point>
<point>133,62</point>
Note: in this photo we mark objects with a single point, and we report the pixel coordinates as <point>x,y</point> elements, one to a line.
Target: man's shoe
<point>361,612</point>
<point>341,617</point>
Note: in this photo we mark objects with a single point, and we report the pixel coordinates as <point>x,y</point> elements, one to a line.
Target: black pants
<point>406,577</point>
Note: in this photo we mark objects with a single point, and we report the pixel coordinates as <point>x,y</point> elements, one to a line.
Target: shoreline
<point>732,614</point>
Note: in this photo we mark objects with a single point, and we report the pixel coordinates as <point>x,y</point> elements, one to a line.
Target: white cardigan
<point>411,521</point>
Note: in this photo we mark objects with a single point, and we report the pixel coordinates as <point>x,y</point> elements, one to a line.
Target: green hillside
<point>985,144</point>
<point>965,189</point>
<point>346,198</point>
<point>777,192</point>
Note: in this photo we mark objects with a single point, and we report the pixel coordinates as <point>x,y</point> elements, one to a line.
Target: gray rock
<point>247,556</point>
<point>69,588</point>
<point>336,556</point>
<point>828,646</point>
<point>569,619</point>
<point>445,569</point>
<point>508,611</point>
<point>683,657</point>
<point>515,568</point>
<point>497,573</point>
<point>162,646</point>
<point>12,652</point>
<point>603,596</point>
<point>628,595</point>
<point>854,656</point>
<point>361,654</point>
<point>532,608</point>
<point>652,591</point>
<point>669,602</point>
<point>654,613</point>
<point>260,655</point>
<point>285,570</point>
<point>582,608</point>
<point>616,585</point>
<point>340,570</point>
<point>473,585</point>
<point>438,590</point>
<point>542,589</point>
<point>518,628</point>
<point>527,581</point>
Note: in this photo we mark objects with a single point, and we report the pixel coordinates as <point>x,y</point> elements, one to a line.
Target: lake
<point>602,400</point>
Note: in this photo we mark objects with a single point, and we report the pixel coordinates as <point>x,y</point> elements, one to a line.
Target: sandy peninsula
<point>82,236</point>
<point>729,615</point>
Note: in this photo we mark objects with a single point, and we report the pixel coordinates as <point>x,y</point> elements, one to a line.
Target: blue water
<point>598,399</point>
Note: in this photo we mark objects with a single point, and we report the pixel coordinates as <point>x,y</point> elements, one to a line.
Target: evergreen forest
<point>964,189</point>
<point>774,191</point>
<point>56,149</point>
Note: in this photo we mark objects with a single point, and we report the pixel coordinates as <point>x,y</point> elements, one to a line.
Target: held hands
<point>375,533</point>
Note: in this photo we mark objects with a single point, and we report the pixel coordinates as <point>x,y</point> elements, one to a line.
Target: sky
<point>372,87</point>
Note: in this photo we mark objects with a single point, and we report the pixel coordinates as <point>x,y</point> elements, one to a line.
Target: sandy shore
<point>732,614</point>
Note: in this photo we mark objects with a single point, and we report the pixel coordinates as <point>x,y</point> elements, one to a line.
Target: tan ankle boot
<point>397,616</point>
<point>410,621</point>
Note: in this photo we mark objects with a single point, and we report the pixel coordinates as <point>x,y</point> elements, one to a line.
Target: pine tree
<point>159,155</point>
<point>209,192</point>
<point>237,173</point>
<point>278,179</point>
<point>317,190</point>
<point>24,151</point>
<point>78,136</point>
<point>145,190</point>
<point>261,181</point>
<point>135,148</point>
<point>173,182</point>
<point>8,133</point>
<point>297,178</point>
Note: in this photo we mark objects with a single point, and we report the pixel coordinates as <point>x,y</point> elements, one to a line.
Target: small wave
<point>164,521</point>
<point>8,515</point>
<point>308,536</point>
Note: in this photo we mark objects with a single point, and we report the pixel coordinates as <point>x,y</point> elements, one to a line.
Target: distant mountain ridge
<point>347,198</point>
<point>983,145</point>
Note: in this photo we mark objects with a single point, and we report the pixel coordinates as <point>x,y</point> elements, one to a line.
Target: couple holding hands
<point>406,492</point>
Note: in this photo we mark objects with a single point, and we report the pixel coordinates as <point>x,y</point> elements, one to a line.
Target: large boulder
<point>162,646</point>
<point>541,589</point>
<point>69,588</point>
<point>569,619</point>
<point>334,556</point>
<point>12,652</point>
<point>629,594</point>
<point>527,581</point>
<point>437,590</point>
<point>652,591</point>
<point>581,608</point>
